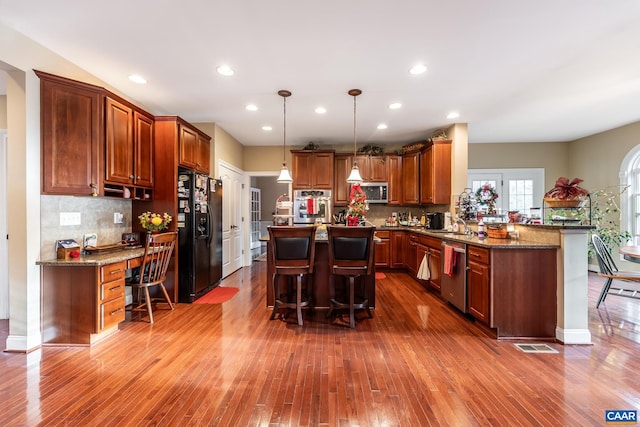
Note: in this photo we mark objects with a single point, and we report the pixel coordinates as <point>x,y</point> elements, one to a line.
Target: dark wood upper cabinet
<point>435,172</point>
<point>312,169</point>
<point>194,149</point>
<point>143,132</point>
<point>341,188</point>
<point>71,136</point>
<point>118,142</point>
<point>394,178</point>
<point>411,178</point>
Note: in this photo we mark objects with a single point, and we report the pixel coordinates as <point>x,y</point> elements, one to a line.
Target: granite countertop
<point>96,259</point>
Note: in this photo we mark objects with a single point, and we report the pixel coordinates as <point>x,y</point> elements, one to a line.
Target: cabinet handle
<point>130,176</point>
<point>116,311</point>
<point>138,178</point>
<point>116,271</point>
<point>476,255</point>
<point>115,288</point>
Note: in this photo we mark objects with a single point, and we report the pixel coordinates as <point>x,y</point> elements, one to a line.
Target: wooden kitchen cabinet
<point>128,150</point>
<point>435,173</point>
<point>478,283</point>
<point>194,149</point>
<point>411,178</point>
<point>383,249</point>
<point>312,169</point>
<point>411,253</point>
<point>372,168</point>
<point>71,136</point>
<point>394,178</point>
<point>111,296</point>
<point>396,260</point>
<point>434,251</point>
<point>341,189</point>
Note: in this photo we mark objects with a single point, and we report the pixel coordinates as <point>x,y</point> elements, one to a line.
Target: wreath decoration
<point>487,195</point>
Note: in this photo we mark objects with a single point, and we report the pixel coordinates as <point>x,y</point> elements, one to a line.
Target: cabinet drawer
<point>478,254</point>
<point>112,272</point>
<point>383,234</point>
<point>112,290</point>
<point>111,313</point>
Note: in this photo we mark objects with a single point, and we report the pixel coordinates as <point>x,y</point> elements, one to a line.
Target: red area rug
<point>218,295</point>
<point>380,275</point>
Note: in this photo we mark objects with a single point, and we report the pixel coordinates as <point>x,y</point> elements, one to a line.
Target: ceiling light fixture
<point>382,126</point>
<point>453,115</point>
<point>354,176</point>
<point>321,110</point>
<point>137,79</point>
<point>418,69</point>
<point>395,105</point>
<point>252,107</point>
<point>225,70</point>
<point>285,176</point>
<point>267,128</point>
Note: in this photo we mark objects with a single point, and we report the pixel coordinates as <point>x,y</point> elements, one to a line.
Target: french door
<point>518,189</point>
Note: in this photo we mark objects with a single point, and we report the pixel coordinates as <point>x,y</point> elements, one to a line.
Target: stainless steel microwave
<point>376,192</point>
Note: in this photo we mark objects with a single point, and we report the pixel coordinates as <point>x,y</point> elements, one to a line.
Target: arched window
<point>630,199</point>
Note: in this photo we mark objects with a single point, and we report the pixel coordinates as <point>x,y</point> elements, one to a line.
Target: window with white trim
<point>518,189</point>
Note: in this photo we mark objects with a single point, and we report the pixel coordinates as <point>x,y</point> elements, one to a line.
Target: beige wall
<point>227,149</point>
<point>597,158</point>
<point>552,156</point>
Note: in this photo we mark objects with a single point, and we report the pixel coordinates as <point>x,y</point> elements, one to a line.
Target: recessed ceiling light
<point>395,105</point>
<point>418,69</point>
<point>252,107</point>
<point>137,79</point>
<point>453,115</point>
<point>225,70</point>
<point>321,110</point>
<point>267,128</point>
<point>382,126</point>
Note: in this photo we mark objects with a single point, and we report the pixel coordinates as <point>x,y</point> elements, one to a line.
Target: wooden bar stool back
<point>153,271</point>
<point>292,255</point>
<point>351,255</point>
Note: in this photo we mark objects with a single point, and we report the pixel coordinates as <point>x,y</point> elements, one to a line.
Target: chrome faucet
<point>467,231</point>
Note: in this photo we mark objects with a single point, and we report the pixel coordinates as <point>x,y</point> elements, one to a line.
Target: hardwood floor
<point>414,364</point>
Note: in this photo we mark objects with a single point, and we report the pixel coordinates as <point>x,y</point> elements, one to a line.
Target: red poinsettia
<point>567,190</point>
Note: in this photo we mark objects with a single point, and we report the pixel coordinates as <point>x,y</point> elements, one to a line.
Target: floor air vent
<point>535,348</point>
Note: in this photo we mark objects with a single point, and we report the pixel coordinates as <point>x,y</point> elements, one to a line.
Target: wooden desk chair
<point>292,255</point>
<point>153,271</point>
<point>609,270</point>
<point>351,253</point>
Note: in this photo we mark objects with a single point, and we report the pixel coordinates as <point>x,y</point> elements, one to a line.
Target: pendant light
<point>354,176</point>
<point>285,176</point>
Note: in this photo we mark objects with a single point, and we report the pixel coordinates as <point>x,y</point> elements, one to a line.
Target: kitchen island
<point>323,281</point>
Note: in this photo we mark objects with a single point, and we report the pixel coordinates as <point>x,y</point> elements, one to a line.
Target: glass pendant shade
<point>354,176</point>
<point>285,176</point>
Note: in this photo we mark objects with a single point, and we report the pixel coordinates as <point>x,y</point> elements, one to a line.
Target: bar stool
<point>351,255</point>
<point>292,255</point>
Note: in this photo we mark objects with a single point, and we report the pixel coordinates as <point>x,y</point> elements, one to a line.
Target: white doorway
<point>518,189</point>
<point>232,223</point>
<point>4,253</point>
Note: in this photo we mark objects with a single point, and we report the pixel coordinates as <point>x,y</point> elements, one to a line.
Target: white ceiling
<point>516,71</point>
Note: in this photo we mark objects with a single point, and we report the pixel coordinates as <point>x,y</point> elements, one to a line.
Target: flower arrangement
<point>487,196</point>
<point>357,207</point>
<point>154,221</point>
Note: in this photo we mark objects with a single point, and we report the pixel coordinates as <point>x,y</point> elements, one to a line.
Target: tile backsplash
<point>96,216</point>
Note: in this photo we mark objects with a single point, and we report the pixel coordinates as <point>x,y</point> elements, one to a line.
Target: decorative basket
<point>556,203</point>
<point>497,233</point>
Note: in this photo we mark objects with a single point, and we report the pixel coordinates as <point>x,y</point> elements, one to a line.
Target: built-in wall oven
<point>312,205</point>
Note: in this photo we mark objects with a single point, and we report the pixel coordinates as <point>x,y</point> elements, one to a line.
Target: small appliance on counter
<point>435,220</point>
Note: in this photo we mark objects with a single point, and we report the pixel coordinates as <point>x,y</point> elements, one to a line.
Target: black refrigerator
<point>199,226</point>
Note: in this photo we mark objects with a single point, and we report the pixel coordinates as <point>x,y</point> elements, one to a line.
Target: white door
<point>232,249</point>
<point>518,189</point>
<point>4,254</point>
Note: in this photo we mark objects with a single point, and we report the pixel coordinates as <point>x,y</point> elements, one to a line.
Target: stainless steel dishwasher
<point>454,282</point>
